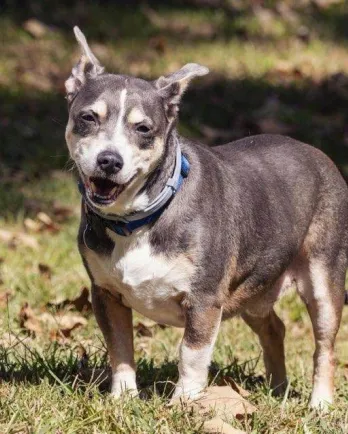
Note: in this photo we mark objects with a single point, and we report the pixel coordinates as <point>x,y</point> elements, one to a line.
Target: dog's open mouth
<point>103,191</point>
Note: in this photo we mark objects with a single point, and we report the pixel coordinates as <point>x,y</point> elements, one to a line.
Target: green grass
<point>258,72</point>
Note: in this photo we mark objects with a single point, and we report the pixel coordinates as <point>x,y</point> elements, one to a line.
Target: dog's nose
<point>110,162</point>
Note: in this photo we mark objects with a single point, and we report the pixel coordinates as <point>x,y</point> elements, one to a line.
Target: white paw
<point>321,402</point>
<point>124,384</point>
<point>187,391</point>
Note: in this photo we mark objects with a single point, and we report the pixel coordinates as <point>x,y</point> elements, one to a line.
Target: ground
<point>274,69</point>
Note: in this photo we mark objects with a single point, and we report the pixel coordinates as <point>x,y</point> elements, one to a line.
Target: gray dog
<point>188,235</point>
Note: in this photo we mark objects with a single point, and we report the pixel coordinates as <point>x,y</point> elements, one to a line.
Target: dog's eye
<point>87,117</point>
<point>143,129</point>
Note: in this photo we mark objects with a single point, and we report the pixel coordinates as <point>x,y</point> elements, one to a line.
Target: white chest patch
<point>150,283</point>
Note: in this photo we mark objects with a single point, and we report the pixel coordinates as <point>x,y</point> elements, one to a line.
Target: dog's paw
<point>188,392</point>
<point>321,402</point>
<point>118,392</point>
<point>124,385</point>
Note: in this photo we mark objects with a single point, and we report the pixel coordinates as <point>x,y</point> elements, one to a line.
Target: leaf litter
<point>220,402</point>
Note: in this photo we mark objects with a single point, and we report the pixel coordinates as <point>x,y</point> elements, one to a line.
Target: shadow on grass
<point>62,366</point>
<point>216,110</point>
<point>106,19</point>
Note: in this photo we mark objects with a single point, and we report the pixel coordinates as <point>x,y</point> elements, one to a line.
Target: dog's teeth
<point>113,191</point>
<point>93,187</point>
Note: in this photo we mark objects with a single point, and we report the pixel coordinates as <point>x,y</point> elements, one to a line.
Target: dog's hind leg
<point>323,293</point>
<point>271,332</point>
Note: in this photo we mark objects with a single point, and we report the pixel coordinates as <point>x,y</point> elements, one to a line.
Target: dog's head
<point>118,125</point>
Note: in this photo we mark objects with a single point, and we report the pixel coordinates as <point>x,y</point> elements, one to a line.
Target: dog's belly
<point>152,284</point>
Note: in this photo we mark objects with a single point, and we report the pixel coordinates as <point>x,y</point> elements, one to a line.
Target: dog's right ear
<point>87,67</point>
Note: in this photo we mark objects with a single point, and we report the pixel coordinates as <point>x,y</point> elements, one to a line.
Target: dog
<point>189,235</point>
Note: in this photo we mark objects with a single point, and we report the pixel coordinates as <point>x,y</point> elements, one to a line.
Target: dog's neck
<point>157,180</point>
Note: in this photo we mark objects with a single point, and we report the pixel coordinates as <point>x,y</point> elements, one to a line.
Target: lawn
<point>275,69</point>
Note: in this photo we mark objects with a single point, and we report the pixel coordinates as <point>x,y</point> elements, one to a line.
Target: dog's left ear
<point>172,87</point>
<point>87,67</point>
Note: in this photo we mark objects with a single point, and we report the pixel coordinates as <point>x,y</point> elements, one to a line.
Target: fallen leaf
<point>28,321</point>
<point>32,225</point>
<point>218,426</point>
<point>142,330</point>
<point>62,321</point>
<point>35,28</point>
<point>48,223</point>
<point>13,239</point>
<point>44,218</point>
<point>223,400</point>
<point>228,380</point>
<point>81,303</point>
<point>62,334</point>
<point>56,327</point>
<point>45,270</point>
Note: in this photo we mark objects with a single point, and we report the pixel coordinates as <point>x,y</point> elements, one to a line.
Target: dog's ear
<point>172,87</point>
<point>87,67</point>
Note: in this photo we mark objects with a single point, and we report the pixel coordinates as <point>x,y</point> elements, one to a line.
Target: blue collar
<point>126,225</point>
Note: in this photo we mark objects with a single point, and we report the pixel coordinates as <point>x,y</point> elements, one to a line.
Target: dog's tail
<point>346,297</point>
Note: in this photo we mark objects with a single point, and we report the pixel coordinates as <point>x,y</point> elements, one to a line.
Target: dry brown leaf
<point>45,270</point>
<point>48,223</point>
<point>228,380</point>
<point>35,28</point>
<point>14,239</point>
<point>142,330</point>
<point>62,334</point>
<point>223,400</point>
<point>218,426</point>
<point>28,321</point>
<point>81,303</point>
<point>44,218</point>
<point>66,320</point>
<point>32,225</point>
<point>57,327</point>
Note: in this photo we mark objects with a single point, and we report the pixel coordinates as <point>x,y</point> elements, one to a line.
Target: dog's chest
<point>153,284</point>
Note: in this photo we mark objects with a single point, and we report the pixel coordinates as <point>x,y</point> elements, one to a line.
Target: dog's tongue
<point>103,187</point>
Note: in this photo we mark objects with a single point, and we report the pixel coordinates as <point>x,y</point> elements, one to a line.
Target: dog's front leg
<point>115,321</point>
<point>201,329</point>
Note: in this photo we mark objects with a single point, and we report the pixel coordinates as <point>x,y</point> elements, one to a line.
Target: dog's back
<point>187,235</point>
